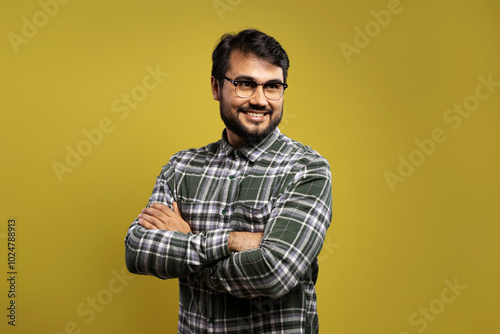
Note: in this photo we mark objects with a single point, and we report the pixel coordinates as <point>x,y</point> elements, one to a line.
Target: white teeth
<point>254,114</point>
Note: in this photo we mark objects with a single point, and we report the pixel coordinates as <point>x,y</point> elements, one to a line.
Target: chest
<point>231,193</point>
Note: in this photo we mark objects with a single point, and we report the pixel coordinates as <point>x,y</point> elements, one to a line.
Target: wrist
<point>231,242</point>
<point>241,241</point>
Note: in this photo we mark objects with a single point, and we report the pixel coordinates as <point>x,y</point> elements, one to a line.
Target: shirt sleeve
<point>167,254</point>
<point>292,240</point>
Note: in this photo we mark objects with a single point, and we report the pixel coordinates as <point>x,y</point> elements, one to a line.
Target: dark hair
<point>248,41</point>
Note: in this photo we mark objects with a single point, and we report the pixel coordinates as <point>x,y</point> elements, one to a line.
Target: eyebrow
<point>249,78</point>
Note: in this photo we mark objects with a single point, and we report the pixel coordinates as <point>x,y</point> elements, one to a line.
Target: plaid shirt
<point>279,187</point>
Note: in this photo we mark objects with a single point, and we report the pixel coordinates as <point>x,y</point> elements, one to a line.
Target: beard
<point>251,134</point>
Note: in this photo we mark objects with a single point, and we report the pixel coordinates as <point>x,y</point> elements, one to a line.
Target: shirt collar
<point>251,151</point>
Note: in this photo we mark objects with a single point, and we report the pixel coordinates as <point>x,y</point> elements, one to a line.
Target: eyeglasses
<point>245,88</point>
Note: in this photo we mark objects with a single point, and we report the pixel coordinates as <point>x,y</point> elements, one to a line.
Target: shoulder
<point>304,170</point>
<point>193,156</point>
<point>297,153</point>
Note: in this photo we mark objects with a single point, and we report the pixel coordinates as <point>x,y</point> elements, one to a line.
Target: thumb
<point>176,209</point>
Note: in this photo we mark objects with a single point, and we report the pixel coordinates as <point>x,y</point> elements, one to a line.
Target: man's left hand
<point>161,217</point>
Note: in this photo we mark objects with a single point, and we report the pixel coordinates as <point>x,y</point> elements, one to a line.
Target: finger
<point>152,221</point>
<point>147,225</point>
<point>155,213</point>
<point>176,209</point>
<point>163,208</point>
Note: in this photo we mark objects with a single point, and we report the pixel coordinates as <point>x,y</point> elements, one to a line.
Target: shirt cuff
<point>217,244</point>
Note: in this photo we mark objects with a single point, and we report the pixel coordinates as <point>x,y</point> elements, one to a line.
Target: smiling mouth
<point>254,114</point>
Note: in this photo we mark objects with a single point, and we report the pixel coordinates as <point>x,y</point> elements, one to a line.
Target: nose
<point>258,98</point>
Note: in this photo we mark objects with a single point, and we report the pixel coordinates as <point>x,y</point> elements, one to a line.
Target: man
<point>240,222</point>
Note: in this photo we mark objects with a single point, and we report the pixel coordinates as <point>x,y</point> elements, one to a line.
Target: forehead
<point>249,65</point>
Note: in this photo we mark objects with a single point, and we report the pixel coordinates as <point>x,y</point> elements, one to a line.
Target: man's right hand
<point>160,217</point>
<point>241,241</point>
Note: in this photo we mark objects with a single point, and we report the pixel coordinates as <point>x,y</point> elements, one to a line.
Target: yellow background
<point>388,252</point>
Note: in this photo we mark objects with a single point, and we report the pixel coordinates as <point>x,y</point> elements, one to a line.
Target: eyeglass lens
<point>272,91</point>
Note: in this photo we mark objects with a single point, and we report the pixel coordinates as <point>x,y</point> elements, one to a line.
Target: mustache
<point>266,110</point>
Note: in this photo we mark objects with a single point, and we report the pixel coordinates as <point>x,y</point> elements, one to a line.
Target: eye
<point>273,85</point>
<point>246,84</point>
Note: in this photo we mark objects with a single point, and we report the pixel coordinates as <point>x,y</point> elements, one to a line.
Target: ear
<point>215,88</point>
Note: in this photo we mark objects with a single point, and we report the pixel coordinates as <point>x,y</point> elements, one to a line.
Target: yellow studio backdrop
<point>402,97</point>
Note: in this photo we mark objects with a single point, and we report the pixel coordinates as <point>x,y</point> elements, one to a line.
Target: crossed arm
<point>244,264</point>
<point>160,217</point>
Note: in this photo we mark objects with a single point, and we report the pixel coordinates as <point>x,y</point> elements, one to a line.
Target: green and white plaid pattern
<point>279,187</point>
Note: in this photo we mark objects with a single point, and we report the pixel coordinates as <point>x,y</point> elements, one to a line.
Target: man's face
<point>248,119</point>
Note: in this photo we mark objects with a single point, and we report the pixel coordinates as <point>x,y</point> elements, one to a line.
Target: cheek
<point>231,102</point>
<point>278,108</point>
<point>226,104</point>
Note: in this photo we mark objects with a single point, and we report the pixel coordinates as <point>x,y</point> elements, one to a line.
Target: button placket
<point>233,171</point>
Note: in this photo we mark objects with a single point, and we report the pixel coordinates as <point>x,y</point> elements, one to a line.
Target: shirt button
<point>223,211</point>
<point>231,177</point>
